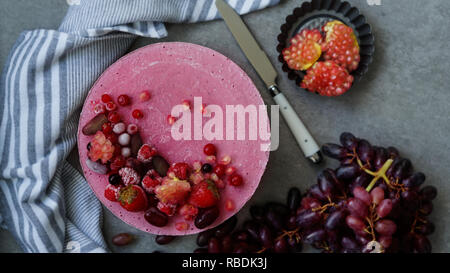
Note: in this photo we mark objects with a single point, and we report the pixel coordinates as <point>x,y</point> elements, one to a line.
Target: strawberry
<point>172,191</point>
<point>181,170</point>
<point>101,148</point>
<point>204,194</point>
<point>328,79</point>
<point>304,51</point>
<point>133,198</point>
<point>150,181</point>
<point>341,45</point>
<point>111,192</point>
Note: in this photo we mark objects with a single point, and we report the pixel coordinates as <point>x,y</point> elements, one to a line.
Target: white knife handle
<point>298,129</point>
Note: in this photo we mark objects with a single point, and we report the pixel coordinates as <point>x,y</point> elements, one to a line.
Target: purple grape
<point>241,236</point>
<point>414,181</point>
<point>294,246</point>
<point>257,213</point>
<point>393,152</point>
<point>316,236</point>
<point>281,245</point>
<point>422,244</point>
<point>426,208</point>
<point>355,223</point>
<point>214,245</point>
<point>410,200</point>
<point>377,195</point>
<point>164,239</point>
<point>334,151</point>
<point>348,172</point>
<point>386,227</point>
<point>365,151</point>
<point>384,208</point>
<point>426,229</point>
<point>206,217</point>
<point>335,220</point>
<point>385,241</point>
<point>253,229</point>
<point>402,170</point>
<point>428,193</point>
<point>362,180</point>
<point>155,217</point>
<point>357,208</point>
<point>204,236</point>
<point>316,193</point>
<point>381,156</point>
<point>349,141</point>
<point>227,244</point>
<point>275,220</point>
<point>308,218</point>
<point>265,236</point>
<point>349,244</point>
<point>361,194</point>
<point>226,227</point>
<point>201,250</point>
<point>326,183</point>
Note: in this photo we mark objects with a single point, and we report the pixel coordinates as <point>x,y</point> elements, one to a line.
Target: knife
<point>268,74</point>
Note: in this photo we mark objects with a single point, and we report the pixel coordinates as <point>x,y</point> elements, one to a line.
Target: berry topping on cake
<point>181,226</point>
<point>180,170</point>
<point>328,79</point>
<point>117,163</point>
<point>304,51</point>
<point>114,117</point>
<point>150,181</point>
<point>129,176</point>
<point>112,192</point>
<point>229,205</point>
<point>171,119</point>
<point>132,129</point>
<point>220,169</point>
<point>144,96</point>
<point>106,98</point>
<point>173,191</point>
<point>146,153</point>
<point>166,208</point>
<point>101,148</point>
<point>132,198</point>
<point>204,194</point>
<point>99,108</point>
<point>341,45</point>
<point>111,106</point>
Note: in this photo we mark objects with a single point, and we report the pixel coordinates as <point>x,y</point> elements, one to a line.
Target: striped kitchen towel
<point>45,202</point>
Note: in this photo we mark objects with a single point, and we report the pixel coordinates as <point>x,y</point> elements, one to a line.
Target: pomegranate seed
<point>119,128</point>
<point>114,117</point>
<point>211,158</point>
<point>137,114</point>
<point>112,137</point>
<point>209,149</point>
<point>123,100</point>
<point>186,104</point>
<point>111,106</point>
<point>107,128</point>
<point>197,165</point>
<point>181,226</point>
<point>144,95</point>
<point>229,205</point>
<point>99,109</point>
<point>230,170</point>
<point>235,180</point>
<point>106,98</point>
<point>219,169</point>
<point>220,184</point>
<point>132,129</point>
<point>225,160</point>
<point>171,120</point>
<point>214,177</point>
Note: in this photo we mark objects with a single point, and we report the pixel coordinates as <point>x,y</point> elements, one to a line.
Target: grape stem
<point>377,175</point>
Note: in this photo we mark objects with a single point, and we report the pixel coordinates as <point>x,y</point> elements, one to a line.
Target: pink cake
<point>172,73</point>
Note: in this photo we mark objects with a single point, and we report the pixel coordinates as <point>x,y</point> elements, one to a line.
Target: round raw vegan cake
<point>173,73</point>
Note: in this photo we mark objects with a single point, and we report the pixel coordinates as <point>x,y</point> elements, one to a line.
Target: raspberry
<point>181,170</point>
<point>341,45</point>
<point>114,117</point>
<point>209,149</point>
<point>219,169</point>
<point>328,79</point>
<point>304,51</point>
<point>101,148</point>
<point>168,209</point>
<point>123,100</point>
<point>106,98</point>
<point>150,181</point>
<point>172,191</point>
<point>235,180</point>
<point>111,192</point>
<point>137,114</point>
<point>188,211</point>
<point>145,153</point>
<point>129,176</point>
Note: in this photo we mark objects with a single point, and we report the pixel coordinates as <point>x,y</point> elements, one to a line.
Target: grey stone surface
<point>403,101</point>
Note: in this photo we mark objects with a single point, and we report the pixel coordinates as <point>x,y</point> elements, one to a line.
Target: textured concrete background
<point>403,101</point>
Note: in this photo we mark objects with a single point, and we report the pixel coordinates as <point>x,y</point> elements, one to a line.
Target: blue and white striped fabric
<point>45,202</point>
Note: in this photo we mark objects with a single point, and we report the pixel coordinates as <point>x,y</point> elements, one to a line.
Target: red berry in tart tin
<point>338,33</point>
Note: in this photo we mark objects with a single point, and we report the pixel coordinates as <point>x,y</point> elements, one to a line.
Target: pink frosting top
<point>174,72</point>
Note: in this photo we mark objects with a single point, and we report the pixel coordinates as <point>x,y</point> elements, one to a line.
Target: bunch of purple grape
<point>272,228</point>
<point>373,202</point>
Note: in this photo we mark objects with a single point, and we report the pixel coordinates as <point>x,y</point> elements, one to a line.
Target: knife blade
<point>266,71</point>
